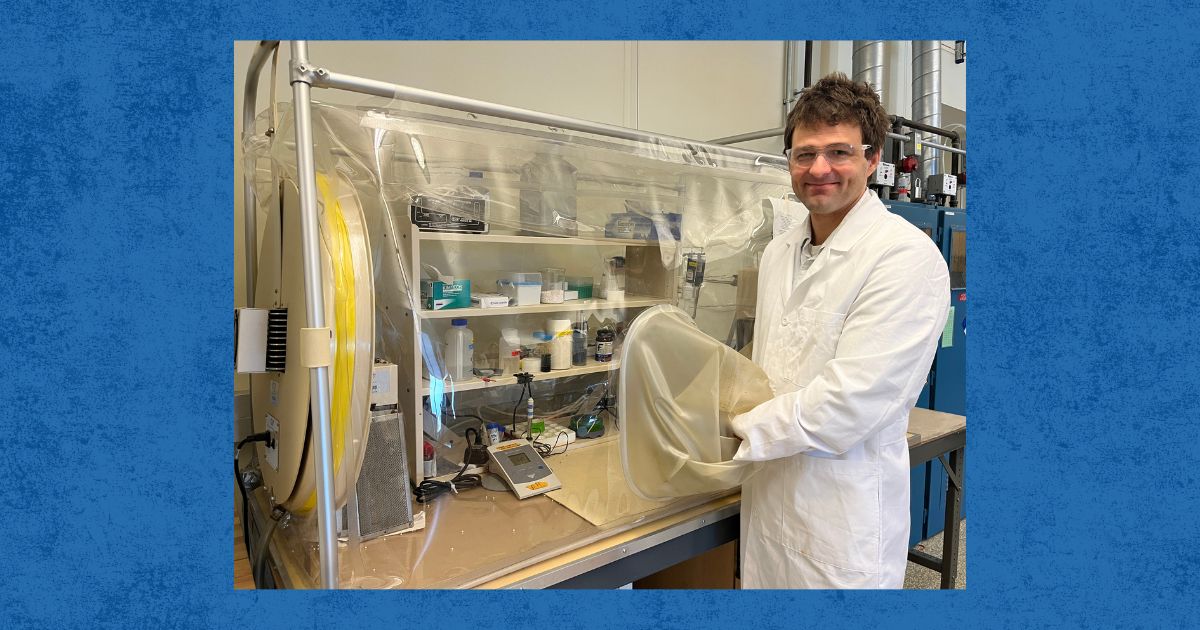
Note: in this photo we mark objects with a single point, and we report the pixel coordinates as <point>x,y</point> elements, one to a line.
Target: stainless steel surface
<point>249,99</point>
<point>868,63</point>
<point>927,97</point>
<point>315,302</point>
<point>335,80</point>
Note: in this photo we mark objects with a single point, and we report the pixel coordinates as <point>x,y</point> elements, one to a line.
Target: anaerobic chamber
<point>479,276</point>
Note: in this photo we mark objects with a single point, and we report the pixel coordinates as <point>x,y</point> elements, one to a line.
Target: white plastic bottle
<point>460,350</point>
<point>560,343</point>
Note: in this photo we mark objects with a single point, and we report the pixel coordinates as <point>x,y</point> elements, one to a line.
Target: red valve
<point>908,164</point>
<point>962,178</point>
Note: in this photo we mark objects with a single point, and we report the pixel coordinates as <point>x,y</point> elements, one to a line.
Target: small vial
<point>495,433</point>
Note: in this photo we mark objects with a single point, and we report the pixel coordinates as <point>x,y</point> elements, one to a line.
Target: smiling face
<point>825,188</point>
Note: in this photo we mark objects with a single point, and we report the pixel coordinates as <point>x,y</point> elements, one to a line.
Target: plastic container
<point>522,288</point>
<point>543,350</point>
<point>554,284</point>
<point>560,343</point>
<point>612,285</point>
<point>525,277</point>
<point>531,364</point>
<point>510,351</point>
<point>460,351</point>
<point>495,433</point>
<point>579,336</point>
<point>581,285</point>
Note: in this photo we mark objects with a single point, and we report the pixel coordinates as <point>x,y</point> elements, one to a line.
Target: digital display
<point>518,459</point>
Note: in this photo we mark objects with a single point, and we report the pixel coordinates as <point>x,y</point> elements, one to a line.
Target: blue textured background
<point>117,238</point>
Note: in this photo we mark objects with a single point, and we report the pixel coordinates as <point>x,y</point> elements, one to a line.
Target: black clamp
<point>278,513</point>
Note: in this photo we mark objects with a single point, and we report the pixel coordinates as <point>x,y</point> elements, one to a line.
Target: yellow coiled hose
<point>343,313</point>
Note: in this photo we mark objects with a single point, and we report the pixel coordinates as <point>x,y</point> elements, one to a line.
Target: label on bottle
<point>604,351</point>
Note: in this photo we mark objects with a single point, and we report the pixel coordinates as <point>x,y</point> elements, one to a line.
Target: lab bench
<point>940,435</point>
<point>487,539</point>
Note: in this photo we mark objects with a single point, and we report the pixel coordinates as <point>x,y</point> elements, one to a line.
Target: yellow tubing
<point>343,314</point>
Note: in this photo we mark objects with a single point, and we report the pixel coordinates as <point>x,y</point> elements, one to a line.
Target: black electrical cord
<point>546,450</point>
<point>430,489</point>
<point>277,516</point>
<point>526,393</point>
<point>265,436</point>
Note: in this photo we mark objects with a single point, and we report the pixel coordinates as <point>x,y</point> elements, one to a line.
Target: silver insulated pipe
<point>927,98</point>
<point>868,63</point>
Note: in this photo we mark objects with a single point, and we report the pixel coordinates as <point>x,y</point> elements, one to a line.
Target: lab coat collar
<point>853,227</point>
<point>856,223</point>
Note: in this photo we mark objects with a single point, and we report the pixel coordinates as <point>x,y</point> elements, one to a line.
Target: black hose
<point>265,436</point>
<point>260,557</point>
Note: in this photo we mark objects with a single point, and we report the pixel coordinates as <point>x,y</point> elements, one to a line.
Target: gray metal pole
<point>753,135</point>
<point>315,302</point>
<point>333,80</point>
<point>767,133</point>
<point>927,98</point>
<point>789,58</point>
<point>249,100</point>
<point>941,147</point>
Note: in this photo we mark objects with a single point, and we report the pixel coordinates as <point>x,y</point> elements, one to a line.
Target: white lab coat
<point>847,347</point>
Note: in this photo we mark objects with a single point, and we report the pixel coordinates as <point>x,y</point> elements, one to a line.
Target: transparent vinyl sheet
<point>497,248</point>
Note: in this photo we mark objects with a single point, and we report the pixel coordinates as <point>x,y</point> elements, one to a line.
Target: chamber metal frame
<point>304,77</point>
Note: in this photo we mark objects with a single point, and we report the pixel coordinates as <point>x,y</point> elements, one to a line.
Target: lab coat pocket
<point>807,342</point>
<point>834,513</point>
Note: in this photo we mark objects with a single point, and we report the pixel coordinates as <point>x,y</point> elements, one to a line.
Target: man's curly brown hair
<point>836,99</point>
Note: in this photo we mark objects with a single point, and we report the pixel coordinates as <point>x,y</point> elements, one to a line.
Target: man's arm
<point>887,343</point>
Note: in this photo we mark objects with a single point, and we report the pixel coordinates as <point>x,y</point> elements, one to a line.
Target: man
<point>851,302</point>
